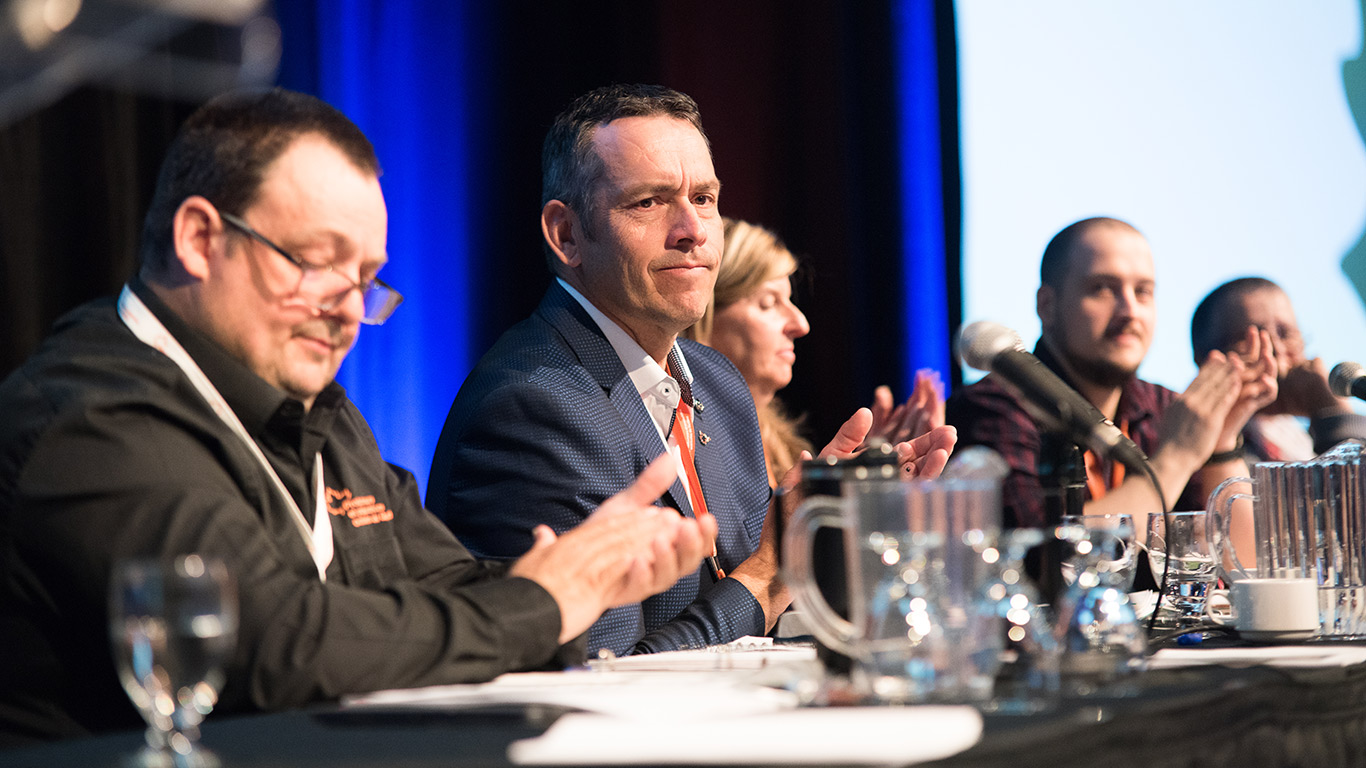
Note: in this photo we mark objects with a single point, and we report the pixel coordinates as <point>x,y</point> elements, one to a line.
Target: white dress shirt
<point>658,390</point>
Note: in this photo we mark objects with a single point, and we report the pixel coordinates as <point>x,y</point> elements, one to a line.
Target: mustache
<point>1121,328</point>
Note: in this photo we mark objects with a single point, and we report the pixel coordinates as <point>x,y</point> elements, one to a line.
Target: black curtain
<point>798,99</point>
<point>75,179</point>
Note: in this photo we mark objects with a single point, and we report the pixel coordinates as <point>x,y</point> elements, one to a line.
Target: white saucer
<point>1276,635</point>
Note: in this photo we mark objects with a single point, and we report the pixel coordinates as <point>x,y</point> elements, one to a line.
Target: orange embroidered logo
<point>361,510</point>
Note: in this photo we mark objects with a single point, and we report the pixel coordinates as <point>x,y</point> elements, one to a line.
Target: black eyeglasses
<point>322,287</point>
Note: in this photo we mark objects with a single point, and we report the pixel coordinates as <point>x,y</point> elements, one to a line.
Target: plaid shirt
<point>985,413</point>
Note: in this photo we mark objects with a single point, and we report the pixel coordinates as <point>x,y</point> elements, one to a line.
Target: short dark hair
<point>1057,256</point>
<point>569,165</point>
<point>223,149</point>
<point>1209,325</point>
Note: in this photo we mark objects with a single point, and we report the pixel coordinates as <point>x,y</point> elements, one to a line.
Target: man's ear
<point>1044,302</point>
<point>561,229</point>
<point>193,232</point>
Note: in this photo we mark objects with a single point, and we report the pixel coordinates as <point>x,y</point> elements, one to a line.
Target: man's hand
<point>627,550</point>
<point>759,573</point>
<point>1201,420</point>
<point>1304,391</point>
<point>1257,387</point>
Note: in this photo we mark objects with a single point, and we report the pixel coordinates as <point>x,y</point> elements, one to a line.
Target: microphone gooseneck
<point>1049,400</point>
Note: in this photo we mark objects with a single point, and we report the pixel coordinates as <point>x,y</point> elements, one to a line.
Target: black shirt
<point>107,452</point>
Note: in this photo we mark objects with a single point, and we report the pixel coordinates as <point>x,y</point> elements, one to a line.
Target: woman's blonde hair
<point>753,256</point>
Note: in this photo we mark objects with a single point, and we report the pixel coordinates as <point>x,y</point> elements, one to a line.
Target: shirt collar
<point>253,400</point>
<point>645,373</point>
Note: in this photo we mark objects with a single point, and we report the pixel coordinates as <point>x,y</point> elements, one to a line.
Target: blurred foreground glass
<point>1111,548</point>
<point>173,623</point>
<point>1186,549</point>
<point>916,628</point>
<point>1102,638</point>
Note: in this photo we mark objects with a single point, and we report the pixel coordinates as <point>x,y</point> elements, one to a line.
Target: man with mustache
<point>1096,306</point>
<point>198,414</point>
<point>572,402</point>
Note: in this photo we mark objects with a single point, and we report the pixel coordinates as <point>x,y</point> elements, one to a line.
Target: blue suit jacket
<point>549,425</point>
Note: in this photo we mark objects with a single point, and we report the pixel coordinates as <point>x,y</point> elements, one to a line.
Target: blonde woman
<point>753,321</point>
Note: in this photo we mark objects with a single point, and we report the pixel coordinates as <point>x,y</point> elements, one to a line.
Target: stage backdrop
<point>825,121</point>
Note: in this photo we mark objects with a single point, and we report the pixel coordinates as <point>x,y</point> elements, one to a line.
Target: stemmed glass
<point>1100,633</point>
<point>173,623</point>
<point>1031,678</point>
<point>1114,559</point>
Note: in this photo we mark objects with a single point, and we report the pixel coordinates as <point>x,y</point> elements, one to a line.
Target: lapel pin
<point>703,437</point>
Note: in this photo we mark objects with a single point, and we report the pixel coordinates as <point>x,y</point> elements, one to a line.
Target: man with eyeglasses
<point>198,414</point>
<point>1277,432</point>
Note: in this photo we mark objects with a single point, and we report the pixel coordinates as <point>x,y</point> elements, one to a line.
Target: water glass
<point>916,630</point>
<point>173,623</point>
<point>1101,636</point>
<point>1110,548</point>
<point>1186,549</point>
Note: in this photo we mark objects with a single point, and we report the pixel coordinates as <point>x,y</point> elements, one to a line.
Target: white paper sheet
<point>674,696</point>
<point>840,735</point>
<point>745,653</point>
<point>1303,655</point>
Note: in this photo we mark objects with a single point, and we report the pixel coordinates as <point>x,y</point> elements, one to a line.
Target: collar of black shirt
<point>263,409</point>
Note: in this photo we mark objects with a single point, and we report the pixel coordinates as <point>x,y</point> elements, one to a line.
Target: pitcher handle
<point>1218,524</point>
<point>827,625</point>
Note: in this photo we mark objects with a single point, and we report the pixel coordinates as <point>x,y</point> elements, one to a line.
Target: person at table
<point>1096,305</point>
<point>571,403</point>
<point>753,321</point>
<point>198,414</point>
<point>1276,432</point>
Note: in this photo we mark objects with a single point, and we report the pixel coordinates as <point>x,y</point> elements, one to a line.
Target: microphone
<point>1348,380</point>
<point>993,347</point>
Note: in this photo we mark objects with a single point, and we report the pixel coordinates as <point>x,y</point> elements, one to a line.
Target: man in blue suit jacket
<point>573,402</point>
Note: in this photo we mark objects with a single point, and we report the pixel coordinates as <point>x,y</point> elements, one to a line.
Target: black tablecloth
<point>1197,716</point>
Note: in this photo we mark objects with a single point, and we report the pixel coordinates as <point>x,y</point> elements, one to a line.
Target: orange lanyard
<point>1095,482</point>
<point>683,435</point>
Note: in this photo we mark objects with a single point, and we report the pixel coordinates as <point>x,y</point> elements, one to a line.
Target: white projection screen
<point>1224,130</point>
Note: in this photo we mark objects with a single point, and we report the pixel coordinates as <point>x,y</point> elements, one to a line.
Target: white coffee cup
<point>1269,610</point>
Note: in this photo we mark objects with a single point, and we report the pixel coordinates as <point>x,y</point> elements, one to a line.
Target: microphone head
<point>1341,377</point>
<point>979,343</point>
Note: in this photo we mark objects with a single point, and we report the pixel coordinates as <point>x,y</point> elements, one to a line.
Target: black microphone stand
<point>1062,473</point>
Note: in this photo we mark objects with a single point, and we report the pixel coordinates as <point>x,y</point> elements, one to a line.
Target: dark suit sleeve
<point>724,613</point>
<point>127,483</point>
<point>527,454</point>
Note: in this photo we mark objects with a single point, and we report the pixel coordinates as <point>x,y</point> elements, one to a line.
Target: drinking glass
<point>173,623</point>
<point>1101,636</point>
<point>1187,550</point>
<point>1111,549</point>
<point>1029,679</point>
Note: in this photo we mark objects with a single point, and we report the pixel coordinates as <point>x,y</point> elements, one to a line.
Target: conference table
<point>1243,713</point>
